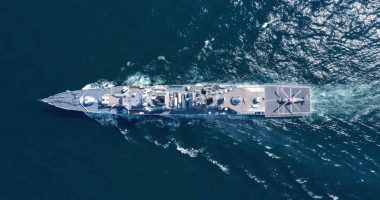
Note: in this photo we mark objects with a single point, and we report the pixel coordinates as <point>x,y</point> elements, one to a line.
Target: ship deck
<point>269,94</point>
<point>248,95</point>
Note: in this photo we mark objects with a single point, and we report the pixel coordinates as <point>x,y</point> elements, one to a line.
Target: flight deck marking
<point>291,107</point>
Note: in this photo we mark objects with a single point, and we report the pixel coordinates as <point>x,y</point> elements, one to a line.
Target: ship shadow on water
<point>63,114</point>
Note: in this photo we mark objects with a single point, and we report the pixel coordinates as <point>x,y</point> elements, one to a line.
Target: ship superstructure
<point>189,100</point>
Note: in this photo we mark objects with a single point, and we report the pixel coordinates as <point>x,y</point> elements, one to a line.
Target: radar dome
<point>235,100</point>
<point>258,100</point>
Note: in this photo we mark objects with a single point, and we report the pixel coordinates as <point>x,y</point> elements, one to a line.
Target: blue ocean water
<point>48,47</point>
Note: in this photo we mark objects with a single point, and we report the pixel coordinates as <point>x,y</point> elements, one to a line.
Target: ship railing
<point>251,113</point>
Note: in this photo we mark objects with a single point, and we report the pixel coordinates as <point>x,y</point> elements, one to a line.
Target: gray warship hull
<point>190,101</point>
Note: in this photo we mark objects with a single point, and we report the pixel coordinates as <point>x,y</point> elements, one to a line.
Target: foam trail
<point>350,100</point>
<point>102,83</point>
<point>222,167</point>
<point>138,79</point>
<point>103,119</point>
<point>272,155</point>
<point>255,178</point>
<point>125,133</point>
<point>190,151</point>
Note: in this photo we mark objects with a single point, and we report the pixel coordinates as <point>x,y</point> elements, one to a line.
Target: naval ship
<point>190,101</point>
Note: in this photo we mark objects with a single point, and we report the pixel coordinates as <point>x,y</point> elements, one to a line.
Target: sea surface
<point>49,46</point>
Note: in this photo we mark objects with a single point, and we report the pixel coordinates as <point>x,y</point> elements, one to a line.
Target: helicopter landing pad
<point>274,92</point>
